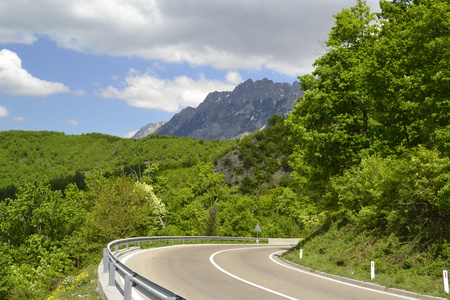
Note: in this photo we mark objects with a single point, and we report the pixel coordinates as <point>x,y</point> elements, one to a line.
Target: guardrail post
<point>139,245</point>
<point>128,288</point>
<point>105,260</point>
<point>112,274</point>
<point>128,245</point>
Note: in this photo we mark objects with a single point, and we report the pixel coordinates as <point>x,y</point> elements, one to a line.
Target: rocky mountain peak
<point>231,114</point>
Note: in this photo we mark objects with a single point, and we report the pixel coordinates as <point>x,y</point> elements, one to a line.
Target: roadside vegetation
<point>360,169</point>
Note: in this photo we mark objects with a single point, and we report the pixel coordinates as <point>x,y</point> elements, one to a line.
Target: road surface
<point>225,272</point>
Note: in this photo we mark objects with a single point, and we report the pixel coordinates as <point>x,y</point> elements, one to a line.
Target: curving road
<point>239,272</point>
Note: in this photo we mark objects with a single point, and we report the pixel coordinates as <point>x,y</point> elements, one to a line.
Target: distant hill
<point>228,115</point>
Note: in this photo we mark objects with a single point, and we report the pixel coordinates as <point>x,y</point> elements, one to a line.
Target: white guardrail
<point>112,267</point>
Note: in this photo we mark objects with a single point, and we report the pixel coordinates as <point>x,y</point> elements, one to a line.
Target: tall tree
<point>410,78</point>
<point>331,122</point>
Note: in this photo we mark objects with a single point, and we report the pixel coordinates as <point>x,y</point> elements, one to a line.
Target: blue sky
<point>112,66</point>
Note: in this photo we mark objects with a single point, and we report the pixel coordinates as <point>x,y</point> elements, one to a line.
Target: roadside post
<point>446,280</point>
<point>301,253</point>
<point>372,269</point>
<point>257,229</point>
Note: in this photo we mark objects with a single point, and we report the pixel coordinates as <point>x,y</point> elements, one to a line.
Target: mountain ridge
<point>232,114</point>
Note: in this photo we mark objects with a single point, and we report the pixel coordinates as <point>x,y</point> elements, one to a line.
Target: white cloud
<point>225,34</point>
<point>3,112</point>
<point>71,122</point>
<point>21,119</point>
<point>147,91</point>
<point>78,93</point>
<point>15,80</point>
<point>234,77</point>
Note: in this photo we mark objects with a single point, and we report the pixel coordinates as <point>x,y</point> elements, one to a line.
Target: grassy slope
<point>347,252</point>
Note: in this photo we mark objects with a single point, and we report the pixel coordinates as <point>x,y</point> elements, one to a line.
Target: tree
<point>123,208</point>
<point>36,210</point>
<point>210,191</point>
<point>407,196</point>
<point>381,88</point>
<point>5,265</point>
<point>410,77</point>
<point>331,122</point>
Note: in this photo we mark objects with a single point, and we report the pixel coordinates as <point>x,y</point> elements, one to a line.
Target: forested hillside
<point>371,136</point>
<point>64,197</point>
<point>372,129</point>
<point>360,169</point>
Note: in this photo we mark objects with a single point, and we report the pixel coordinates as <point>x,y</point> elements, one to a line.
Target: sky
<point>113,66</point>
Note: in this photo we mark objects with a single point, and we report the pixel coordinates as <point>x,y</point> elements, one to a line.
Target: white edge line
<point>135,294</point>
<point>335,280</point>
<point>211,259</point>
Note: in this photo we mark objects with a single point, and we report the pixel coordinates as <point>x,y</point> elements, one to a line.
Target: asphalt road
<point>239,272</point>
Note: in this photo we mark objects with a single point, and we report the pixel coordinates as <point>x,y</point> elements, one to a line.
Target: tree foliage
<point>372,125</point>
<point>123,208</point>
<point>368,143</point>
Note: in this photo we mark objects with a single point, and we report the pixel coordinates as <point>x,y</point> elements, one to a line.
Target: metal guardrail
<point>112,265</point>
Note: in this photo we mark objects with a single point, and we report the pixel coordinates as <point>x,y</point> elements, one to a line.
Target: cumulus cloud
<point>14,80</point>
<point>147,91</point>
<point>3,112</point>
<point>20,119</point>
<point>226,34</point>
<point>234,77</point>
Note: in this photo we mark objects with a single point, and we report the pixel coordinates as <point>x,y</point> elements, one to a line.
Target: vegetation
<point>371,144</point>
<point>360,168</point>
<point>63,198</point>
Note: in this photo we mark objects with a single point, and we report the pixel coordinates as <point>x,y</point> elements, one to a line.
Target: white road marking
<point>211,259</point>
<point>335,280</point>
<point>135,294</point>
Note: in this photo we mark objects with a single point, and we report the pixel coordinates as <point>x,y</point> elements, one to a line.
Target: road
<point>225,272</point>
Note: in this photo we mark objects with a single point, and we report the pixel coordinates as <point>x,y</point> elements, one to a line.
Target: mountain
<point>147,130</point>
<point>228,115</point>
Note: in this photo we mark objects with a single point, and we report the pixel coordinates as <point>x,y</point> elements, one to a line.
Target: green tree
<point>210,191</point>
<point>331,123</point>
<point>123,208</point>
<point>410,77</point>
<point>5,269</point>
<point>407,196</point>
<point>197,207</point>
<point>36,210</point>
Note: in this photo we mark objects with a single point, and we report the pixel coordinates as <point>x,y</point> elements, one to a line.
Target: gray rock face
<point>228,115</point>
<point>147,130</point>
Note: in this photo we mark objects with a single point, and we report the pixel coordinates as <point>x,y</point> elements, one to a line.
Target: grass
<point>346,252</point>
<point>82,286</point>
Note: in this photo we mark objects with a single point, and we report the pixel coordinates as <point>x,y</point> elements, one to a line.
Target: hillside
<point>260,161</point>
<point>27,156</point>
